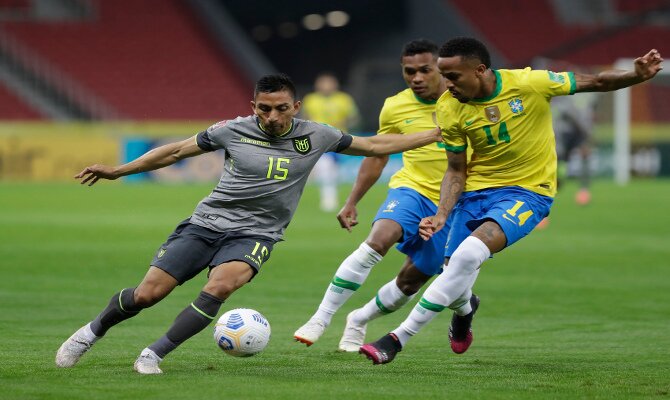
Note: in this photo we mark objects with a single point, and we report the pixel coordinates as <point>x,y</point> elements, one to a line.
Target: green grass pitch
<point>578,310</point>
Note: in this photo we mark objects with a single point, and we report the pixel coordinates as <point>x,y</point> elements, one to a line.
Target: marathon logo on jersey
<point>302,144</point>
<point>217,125</point>
<point>492,113</point>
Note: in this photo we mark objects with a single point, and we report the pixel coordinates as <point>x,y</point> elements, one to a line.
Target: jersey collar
<point>422,100</point>
<point>496,91</point>
<point>289,130</point>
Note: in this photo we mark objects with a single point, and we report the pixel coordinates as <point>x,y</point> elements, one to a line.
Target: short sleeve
<point>203,141</point>
<point>386,124</point>
<point>550,84</point>
<point>330,138</point>
<point>213,138</point>
<point>454,139</point>
<point>344,143</point>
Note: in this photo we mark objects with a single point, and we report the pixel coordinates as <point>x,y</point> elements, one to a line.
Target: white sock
<point>462,305</point>
<point>450,286</point>
<point>389,298</point>
<point>420,315</point>
<point>88,334</point>
<point>348,278</point>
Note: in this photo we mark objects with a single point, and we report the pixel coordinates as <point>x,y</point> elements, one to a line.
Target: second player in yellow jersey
<point>423,168</point>
<point>414,192</point>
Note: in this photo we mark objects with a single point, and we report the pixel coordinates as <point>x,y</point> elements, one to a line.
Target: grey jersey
<point>263,176</point>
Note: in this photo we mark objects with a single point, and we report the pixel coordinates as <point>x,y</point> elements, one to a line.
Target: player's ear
<point>297,105</point>
<point>253,106</point>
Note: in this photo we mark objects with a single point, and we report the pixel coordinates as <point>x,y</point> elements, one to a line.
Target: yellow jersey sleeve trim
<point>573,82</point>
<point>456,149</point>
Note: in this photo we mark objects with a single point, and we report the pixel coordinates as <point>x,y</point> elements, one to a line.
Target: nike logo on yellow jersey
<point>468,123</point>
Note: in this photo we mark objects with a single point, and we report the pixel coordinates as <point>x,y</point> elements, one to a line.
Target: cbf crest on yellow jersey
<point>510,132</point>
<point>423,168</point>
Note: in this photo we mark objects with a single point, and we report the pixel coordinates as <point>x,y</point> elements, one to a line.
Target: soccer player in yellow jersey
<point>329,105</point>
<point>509,184</point>
<point>414,193</point>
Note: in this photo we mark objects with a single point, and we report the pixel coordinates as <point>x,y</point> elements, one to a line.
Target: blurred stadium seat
<point>525,29</point>
<point>15,108</point>
<point>153,59</point>
<point>145,59</point>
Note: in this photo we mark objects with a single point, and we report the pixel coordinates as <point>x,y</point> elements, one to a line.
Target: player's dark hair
<point>466,47</point>
<point>326,73</point>
<point>418,46</point>
<point>275,83</point>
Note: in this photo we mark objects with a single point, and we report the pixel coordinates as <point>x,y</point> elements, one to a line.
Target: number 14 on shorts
<point>520,219</point>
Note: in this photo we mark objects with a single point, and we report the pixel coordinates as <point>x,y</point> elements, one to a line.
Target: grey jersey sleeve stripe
<point>204,141</point>
<point>345,142</point>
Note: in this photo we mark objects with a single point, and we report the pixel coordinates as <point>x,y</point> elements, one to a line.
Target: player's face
<point>464,77</point>
<point>422,76</point>
<point>275,111</point>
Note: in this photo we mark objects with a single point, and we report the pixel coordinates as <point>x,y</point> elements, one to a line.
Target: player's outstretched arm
<point>157,158</point>
<point>646,67</point>
<point>452,186</point>
<point>380,145</point>
<point>369,172</point>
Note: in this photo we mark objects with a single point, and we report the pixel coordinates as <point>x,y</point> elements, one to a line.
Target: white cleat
<point>311,331</point>
<point>353,336</point>
<point>75,346</point>
<point>147,363</point>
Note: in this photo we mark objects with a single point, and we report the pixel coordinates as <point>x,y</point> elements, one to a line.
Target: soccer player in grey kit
<point>269,156</point>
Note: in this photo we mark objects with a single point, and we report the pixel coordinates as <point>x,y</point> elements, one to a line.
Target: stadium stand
<point>15,109</point>
<point>154,60</point>
<point>524,29</point>
<point>636,6</point>
<point>146,59</point>
<point>14,5</point>
<point>508,25</point>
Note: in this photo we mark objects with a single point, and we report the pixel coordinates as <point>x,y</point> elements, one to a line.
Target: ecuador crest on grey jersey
<point>302,144</point>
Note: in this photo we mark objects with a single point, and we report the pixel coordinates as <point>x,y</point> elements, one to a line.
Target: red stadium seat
<point>14,108</point>
<point>147,59</point>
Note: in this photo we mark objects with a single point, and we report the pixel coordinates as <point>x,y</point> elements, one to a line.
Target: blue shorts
<point>515,209</point>
<point>407,207</point>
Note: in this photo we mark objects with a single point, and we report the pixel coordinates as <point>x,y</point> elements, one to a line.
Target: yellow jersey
<point>510,132</point>
<point>336,109</point>
<point>423,168</point>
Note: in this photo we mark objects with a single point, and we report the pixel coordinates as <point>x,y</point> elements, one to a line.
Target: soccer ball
<point>242,332</point>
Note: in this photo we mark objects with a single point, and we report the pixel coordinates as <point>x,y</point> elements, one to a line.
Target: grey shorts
<point>192,248</point>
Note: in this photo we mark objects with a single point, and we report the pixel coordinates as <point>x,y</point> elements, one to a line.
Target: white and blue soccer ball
<point>242,332</point>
